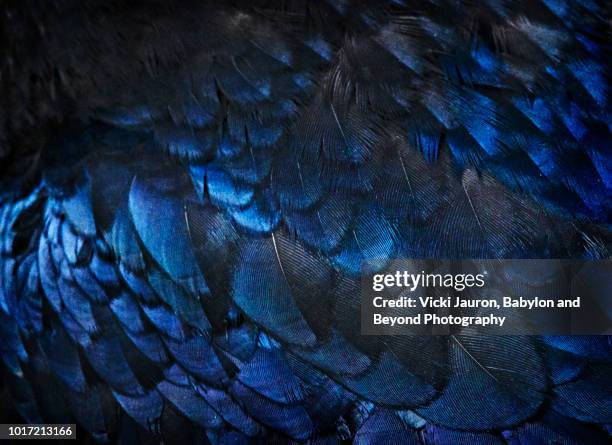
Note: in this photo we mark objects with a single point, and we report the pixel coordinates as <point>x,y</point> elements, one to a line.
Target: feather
<point>384,426</point>
<point>198,357</point>
<point>512,377</point>
<point>260,272</point>
<point>190,404</point>
<point>172,250</point>
<point>145,409</point>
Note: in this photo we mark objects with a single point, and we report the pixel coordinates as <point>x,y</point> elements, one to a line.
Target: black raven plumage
<point>188,190</point>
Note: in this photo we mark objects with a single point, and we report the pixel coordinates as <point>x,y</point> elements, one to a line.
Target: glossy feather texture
<point>188,191</point>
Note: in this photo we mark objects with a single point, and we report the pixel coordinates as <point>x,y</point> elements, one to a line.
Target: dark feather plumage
<point>188,190</point>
